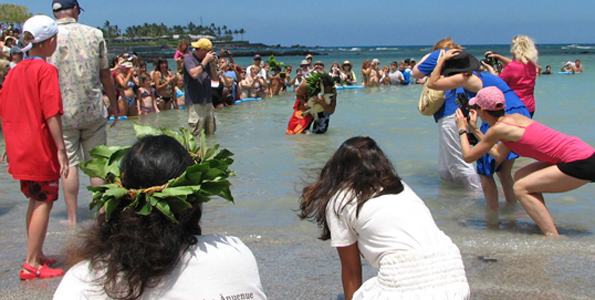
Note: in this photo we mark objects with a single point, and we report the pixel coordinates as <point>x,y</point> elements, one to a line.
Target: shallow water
<point>271,167</point>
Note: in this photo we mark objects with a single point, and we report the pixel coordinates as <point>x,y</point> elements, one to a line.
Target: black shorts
<point>581,169</point>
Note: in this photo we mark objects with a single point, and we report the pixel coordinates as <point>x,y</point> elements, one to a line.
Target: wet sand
<point>293,263</point>
<point>302,267</point>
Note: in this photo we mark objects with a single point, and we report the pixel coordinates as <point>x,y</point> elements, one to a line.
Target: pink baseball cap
<point>489,98</point>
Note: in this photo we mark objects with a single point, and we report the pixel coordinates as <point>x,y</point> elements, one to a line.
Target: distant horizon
<point>431,45</point>
<point>380,22</point>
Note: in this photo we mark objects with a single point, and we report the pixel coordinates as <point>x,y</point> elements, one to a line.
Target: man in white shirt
<point>257,60</point>
<point>395,76</point>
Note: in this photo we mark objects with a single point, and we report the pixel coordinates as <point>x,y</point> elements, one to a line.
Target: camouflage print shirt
<point>81,53</point>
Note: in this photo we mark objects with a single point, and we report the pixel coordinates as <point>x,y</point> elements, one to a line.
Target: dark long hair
<point>158,63</point>
<point>359,166</point>
<point>133,250</point>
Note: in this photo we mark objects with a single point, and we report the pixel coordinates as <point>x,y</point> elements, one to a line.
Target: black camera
<point>492,61</point>
<point>463,103</point>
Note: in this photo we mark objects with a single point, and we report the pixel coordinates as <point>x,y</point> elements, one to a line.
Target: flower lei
<point>208,177</point>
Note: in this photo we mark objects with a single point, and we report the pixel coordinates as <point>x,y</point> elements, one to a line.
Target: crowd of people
<point>142,92</point>
<point>358,199</point>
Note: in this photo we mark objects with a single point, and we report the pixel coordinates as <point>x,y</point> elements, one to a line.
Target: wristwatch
<point>462,131</point>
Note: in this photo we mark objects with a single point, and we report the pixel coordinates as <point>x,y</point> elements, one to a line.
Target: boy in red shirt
<point>31,109</point>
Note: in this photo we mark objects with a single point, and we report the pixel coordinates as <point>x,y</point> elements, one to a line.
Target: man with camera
<point>199,69</point>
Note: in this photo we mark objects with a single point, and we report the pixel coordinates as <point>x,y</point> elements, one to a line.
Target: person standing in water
<point>564,162</point>
<point>83,76</point>
<point>31,111</point>
<point>199,68</point>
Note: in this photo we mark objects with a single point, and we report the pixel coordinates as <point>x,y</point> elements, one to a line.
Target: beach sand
<point>299,267</point>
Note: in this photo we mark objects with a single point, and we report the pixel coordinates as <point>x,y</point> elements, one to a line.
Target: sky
<point>357,23</point>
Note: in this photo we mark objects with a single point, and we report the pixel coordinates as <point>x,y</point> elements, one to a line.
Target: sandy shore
<point>298,267</point>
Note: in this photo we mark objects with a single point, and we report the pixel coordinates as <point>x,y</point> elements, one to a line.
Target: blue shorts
<point>486,165</point>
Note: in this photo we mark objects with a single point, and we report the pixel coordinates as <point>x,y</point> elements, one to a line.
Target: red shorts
<point>44,191</point>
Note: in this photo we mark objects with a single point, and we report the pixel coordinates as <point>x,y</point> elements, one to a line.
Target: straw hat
<point>347,63</point>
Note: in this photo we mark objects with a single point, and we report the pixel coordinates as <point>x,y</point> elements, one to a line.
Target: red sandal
<point>43,272</point>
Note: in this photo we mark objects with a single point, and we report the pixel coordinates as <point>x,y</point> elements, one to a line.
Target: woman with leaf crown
<point>147,241</point>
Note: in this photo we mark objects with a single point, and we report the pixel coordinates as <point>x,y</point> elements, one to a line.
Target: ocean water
<point>272,167</point>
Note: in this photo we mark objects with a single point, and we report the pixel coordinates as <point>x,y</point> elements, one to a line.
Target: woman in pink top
<point>521,71</point>
<point>564,162</point>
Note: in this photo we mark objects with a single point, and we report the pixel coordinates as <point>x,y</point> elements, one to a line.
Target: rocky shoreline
<point>238,49</point>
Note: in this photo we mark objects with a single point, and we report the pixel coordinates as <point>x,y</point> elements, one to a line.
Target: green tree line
<point>155,30</point>
<point>12,13</point>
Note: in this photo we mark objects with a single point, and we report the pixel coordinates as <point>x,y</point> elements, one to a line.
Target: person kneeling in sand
<point>366,210</point>
<point>157,252</point>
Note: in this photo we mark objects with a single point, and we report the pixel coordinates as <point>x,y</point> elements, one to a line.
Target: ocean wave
<point>575,46</point>
<point>386,49</point>
<point>350,49</point>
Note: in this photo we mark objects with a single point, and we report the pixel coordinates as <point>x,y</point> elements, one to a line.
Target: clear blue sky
<point>357,23</point>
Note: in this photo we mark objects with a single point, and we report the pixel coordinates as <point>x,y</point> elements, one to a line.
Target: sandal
<point>43,272</point>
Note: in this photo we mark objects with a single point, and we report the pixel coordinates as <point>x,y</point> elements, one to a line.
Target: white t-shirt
<point>385,225</point>
<point>396,77</point>
<point>217,267</point>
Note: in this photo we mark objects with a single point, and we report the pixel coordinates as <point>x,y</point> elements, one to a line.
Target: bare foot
<point>68,223</point>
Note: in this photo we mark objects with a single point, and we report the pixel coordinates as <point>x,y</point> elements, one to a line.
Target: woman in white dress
<point>364,208</point>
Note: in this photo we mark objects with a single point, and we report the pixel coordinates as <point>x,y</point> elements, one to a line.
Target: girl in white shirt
<point>364,208</point>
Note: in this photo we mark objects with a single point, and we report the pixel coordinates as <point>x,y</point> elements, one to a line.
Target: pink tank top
<point>547,145</point>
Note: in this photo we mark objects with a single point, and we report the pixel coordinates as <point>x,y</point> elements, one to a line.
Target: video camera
<point>463,103</point>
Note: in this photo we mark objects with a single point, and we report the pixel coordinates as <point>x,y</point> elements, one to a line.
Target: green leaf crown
<point>208,177</point>
<point>272,62</point>
<point>314,82</point>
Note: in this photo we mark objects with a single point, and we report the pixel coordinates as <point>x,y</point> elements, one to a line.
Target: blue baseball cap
<point>58,5</point>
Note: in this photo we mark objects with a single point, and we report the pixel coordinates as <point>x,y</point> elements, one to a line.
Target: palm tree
<point>131,33</point>
<point>177,29</point>
<point>228,35</point>
<point>160,30</point>
<point>191,27</point>
<point>242,31</point>
<point>107,28</point>
<point>236,32</point>
<point>116,32</point>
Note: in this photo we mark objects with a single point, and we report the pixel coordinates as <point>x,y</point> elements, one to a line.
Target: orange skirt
<point>297,122</point>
